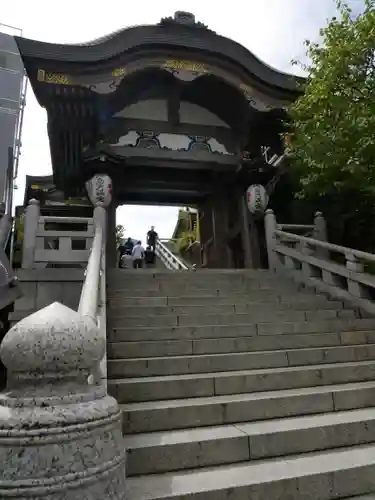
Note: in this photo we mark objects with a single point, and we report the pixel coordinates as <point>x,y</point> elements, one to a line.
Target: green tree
<point>120,233</point>
<point>185,240</point>
<point>333,140</point>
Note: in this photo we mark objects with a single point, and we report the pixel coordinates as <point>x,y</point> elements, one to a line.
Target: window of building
<point>9,60</point>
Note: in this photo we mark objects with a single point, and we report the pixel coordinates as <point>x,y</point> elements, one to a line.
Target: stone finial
<point>60,437</point>
<point>34,201</point>
<point>53,343</point>
<point>184,17</point>
<point>269,211</point>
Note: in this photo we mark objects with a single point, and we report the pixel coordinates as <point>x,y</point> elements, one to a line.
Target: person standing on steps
<point>138,254</point>
<point>149,257</point>
<point>121,250</point>
<point>129,245</point>
<point>152,237</point>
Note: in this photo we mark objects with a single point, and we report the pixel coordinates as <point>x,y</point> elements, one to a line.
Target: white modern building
<point>13,84</point>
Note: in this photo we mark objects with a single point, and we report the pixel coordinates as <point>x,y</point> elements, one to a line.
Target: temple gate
<point>175,114</point>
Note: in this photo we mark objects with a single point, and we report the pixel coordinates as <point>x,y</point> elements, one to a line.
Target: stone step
<point>202,287</point>
<point>206,363</point>
<point>139,389</point>
<point>363,497</point>
<point>147,275</point>
<point>224,345</point>
<point>120,333</point>
<point>154,416</point>
<point>115,273</point>
<point>250,308</point>
<point>196,280</point>
<point>229,294</point>
<point>319,476</point>
<point>157,452</point>
<point>203,300</point>
<point>227,319</point>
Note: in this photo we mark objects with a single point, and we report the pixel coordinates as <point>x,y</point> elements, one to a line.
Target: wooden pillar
<point>205,231</point>
<point>254,242</point>
<point>245,233</point>
<point>111,235</point>
<point>219,229</point>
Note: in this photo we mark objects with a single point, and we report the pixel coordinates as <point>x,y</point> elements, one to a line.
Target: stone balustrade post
<point>320,227</point>
<point>353,265</point>
<point>270,228</point>
<point>320,233</point>
<point>31,221</point>
<point>60,437</point>
<point>306,249</point>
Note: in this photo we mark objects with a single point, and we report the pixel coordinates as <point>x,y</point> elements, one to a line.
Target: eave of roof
<point>38,179</point>
<point>170,36</point>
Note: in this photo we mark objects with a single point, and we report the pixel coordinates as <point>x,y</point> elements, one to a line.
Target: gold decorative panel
<point>181,64</point>
<point>53,78</point>
<point>247,90</point>
<point>119,72</point>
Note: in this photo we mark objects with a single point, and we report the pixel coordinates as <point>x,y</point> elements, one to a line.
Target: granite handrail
<point>168,258</point>
<point>88,303</point>
<point>308,261</point>
<point>358,254</point>
<point>296,227</point>
<point>92,302</point>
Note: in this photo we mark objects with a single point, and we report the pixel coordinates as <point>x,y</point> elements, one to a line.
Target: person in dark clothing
<point>121,250</point>
<point>152,236</point>
<point>149,257</point>
<point>129,245</point>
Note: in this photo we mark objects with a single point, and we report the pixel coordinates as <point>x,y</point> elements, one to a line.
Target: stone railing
<point>169,259</point>
<point>311,261</point>
<point>60,432</point>
<point>55,241</point>
<point>93,299</point>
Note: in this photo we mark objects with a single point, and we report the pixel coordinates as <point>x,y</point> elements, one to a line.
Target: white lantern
<point>99,190</point>
<point>257,199</point>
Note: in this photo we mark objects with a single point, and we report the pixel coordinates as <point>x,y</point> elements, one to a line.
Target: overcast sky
<point>274,30</point>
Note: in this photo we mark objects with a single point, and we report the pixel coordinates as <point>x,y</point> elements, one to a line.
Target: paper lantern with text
<point>99,190</point>
<point>257,199</point>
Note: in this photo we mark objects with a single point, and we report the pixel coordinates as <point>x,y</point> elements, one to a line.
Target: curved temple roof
<point>181,31</point>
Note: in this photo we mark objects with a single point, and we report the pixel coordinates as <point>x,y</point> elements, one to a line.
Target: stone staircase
<point>236,385</point>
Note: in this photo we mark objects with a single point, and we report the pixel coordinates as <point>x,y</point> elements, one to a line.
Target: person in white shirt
<point>138,255</point>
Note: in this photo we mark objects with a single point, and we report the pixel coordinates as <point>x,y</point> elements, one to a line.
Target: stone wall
<point>42,287</point>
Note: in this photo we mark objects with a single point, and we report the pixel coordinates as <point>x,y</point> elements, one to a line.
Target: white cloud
<point>272,29</point>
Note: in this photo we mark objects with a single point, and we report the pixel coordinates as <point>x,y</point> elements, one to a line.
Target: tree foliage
<point>333,140</point>
<point>185,240</point>
<point>120,233</point>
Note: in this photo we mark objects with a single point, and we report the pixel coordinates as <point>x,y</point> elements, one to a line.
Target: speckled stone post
<point>60,438</point>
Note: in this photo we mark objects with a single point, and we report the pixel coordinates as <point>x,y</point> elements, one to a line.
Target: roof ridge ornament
<point>185,19</point>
